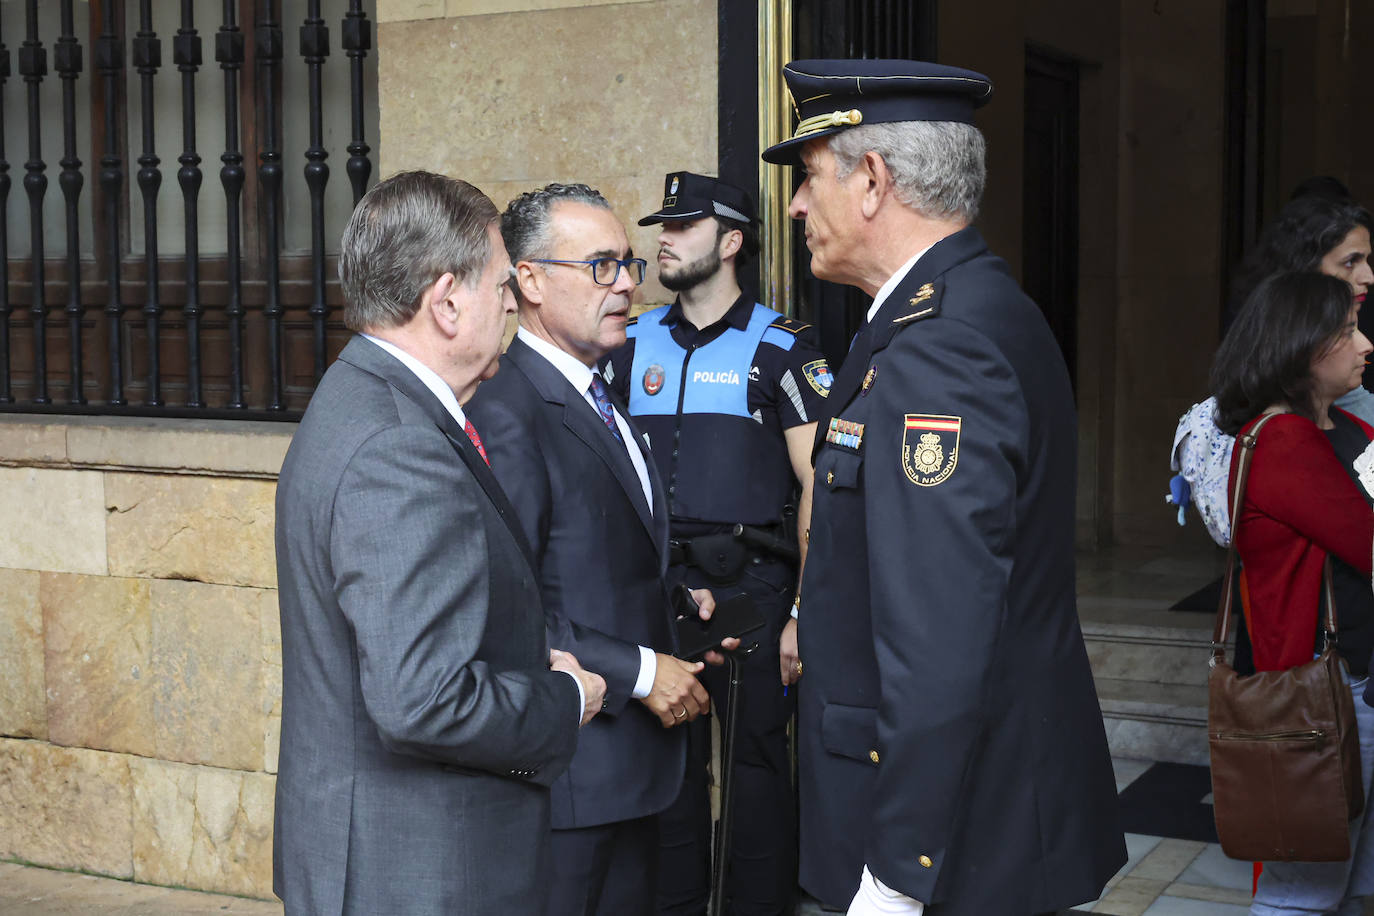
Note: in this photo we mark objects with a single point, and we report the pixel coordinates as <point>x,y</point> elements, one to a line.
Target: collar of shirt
<point>892,282</point>
<point>580,377</point>
<point>687,334</point>
<point>428,376</point>
<point>572,369</point>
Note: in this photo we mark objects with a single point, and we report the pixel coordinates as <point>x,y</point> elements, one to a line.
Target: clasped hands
<point>593,684</point>
<point>677,696</point>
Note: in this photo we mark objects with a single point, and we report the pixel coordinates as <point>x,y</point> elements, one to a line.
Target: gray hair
<point>938,166</point>
<point>525,226</point>
<point>406,233</point>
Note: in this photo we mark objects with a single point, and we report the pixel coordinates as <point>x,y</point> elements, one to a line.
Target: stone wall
<point>513,94</point>
<point>140,655</point>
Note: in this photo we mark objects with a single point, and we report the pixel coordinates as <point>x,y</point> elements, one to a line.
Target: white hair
<point>938,167</point>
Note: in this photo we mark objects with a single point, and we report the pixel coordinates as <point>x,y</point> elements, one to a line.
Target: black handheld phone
<point>734,616</point>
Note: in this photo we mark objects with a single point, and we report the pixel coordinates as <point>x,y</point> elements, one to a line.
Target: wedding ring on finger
<point>682,714</point>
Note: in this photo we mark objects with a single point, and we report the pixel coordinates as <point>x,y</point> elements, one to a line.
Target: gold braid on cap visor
<point>826,121</point>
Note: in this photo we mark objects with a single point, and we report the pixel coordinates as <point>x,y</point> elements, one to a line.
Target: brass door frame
<point>775,181</point>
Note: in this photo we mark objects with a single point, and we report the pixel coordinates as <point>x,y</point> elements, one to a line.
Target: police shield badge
<point>819,376</point>
<point>930,448</point>
<point>653,379</point>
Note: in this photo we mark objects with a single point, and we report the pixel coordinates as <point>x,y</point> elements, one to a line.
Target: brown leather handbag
<point>1285,750</point>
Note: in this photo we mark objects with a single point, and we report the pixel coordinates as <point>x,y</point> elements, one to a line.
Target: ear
<point>445,301</point>
<point>530,281</point>
<point>731,243</point>
<point>872,171</point>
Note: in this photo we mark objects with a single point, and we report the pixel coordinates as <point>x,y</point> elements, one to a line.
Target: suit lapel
<point>585,423</point>
<point>917,296</point>
<point>656,522</point>
<point>372,358</point>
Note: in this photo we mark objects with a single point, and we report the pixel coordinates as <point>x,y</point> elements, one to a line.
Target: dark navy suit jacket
<point>950,732</point>
<point>600,555</point>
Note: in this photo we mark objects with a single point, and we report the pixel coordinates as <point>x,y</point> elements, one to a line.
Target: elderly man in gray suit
<point>423,716</point>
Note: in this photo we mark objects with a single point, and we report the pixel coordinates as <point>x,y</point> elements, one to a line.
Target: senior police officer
<point>728,393</point>
<point>952,749</point>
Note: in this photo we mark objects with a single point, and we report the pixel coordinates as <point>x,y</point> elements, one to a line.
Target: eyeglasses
<point>605,270</point>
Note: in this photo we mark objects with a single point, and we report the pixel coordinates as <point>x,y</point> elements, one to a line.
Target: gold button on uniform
<point>873,755</point>
<point>829,477</point>
<point>925,861</point>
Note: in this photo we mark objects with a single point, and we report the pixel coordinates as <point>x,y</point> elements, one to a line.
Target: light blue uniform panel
<point>717,374</point>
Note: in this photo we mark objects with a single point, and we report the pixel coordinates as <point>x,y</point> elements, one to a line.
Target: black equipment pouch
<point>720,557</point>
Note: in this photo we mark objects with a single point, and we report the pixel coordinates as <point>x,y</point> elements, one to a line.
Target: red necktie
<point>476,440</point>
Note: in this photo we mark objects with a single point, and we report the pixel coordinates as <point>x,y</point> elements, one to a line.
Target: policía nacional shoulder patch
<point>930,448</point>
<point>819,377</point>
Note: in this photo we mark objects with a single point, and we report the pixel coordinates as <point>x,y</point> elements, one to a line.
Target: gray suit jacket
<point>600,555</point>
<point>421,727</point>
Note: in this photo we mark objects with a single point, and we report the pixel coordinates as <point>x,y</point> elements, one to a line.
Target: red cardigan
<point>1300,504</point>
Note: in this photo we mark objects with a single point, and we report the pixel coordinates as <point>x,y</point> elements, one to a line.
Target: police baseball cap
<point>833,95</point>
<point>690,196</point>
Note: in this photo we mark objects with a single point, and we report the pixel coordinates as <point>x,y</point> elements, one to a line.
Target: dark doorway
<point>1049,210</point>
<point>904,29</point>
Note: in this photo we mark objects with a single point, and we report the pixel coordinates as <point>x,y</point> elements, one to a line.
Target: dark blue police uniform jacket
<point>950,732</point>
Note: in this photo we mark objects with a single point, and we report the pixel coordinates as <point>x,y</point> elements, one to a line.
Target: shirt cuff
<point>648,670</point>
<point>581,696</point>
<point>874,898</point>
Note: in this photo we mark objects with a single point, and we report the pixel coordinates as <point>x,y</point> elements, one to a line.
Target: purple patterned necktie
<point>603,405</point>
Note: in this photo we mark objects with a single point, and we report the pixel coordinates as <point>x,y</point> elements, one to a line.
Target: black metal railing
<point>236,323</point>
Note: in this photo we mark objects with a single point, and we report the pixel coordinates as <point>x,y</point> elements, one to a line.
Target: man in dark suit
<point>727,392</point>
<point>421,723</point>
<point>953,755</point>
<point>585,491</point>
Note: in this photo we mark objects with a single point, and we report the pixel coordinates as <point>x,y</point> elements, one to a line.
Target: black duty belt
<point>723,556</point>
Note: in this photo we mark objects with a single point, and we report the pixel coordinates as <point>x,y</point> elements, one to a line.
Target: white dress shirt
<point>431,380</point>
<point>874,898</point>
<point>579,375</point>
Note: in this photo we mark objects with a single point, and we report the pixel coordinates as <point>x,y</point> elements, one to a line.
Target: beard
<point>689,275</point>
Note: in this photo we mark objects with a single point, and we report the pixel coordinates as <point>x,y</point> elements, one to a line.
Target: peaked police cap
<point>834,95</point>
<point>687,195</point>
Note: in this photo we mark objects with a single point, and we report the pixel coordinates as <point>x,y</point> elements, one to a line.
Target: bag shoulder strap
<point>1246,442</point>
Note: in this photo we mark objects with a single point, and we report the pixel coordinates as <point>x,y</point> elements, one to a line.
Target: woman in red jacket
<point>1294,349</point>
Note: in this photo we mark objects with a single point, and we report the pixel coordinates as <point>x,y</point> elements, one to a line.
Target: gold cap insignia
<point>821,122</point>
<point>673,188</point>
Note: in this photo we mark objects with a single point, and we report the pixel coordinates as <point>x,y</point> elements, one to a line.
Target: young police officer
<point>728,393</point>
